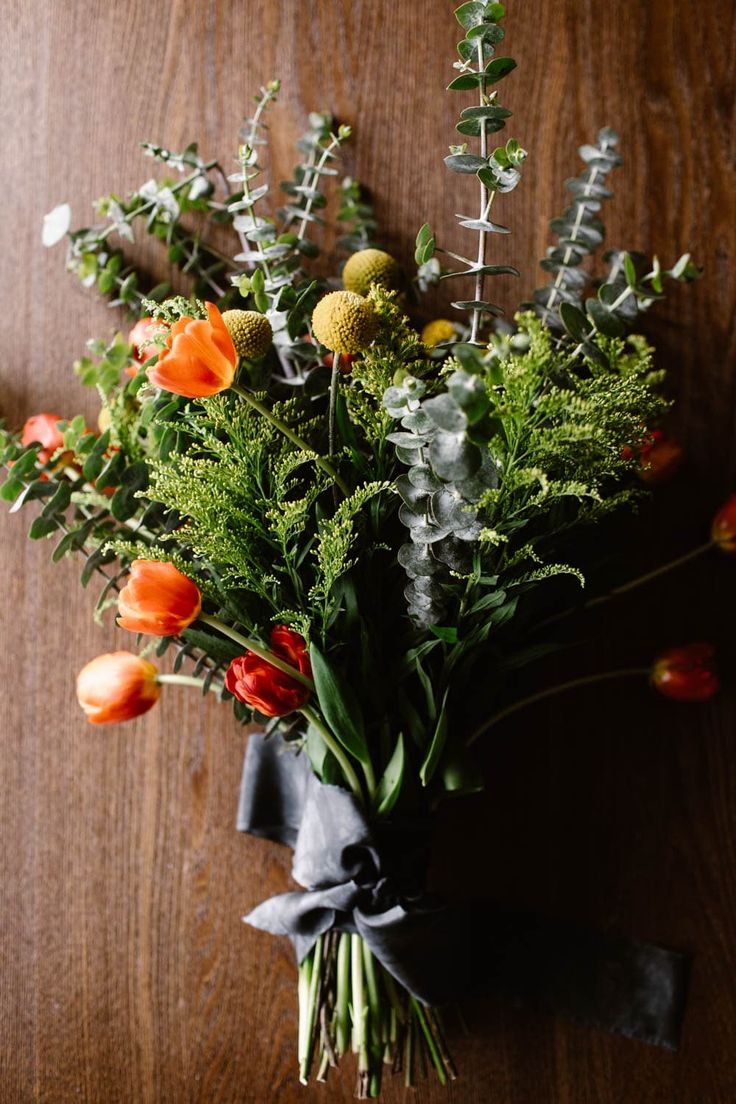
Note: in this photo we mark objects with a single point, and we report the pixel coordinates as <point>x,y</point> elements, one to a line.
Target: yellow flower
<point>439,330</point>
<point>344,322</point>
<point>251,332</point>
<point>370,266</point>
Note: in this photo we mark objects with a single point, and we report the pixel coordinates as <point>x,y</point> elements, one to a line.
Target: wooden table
<point>127,976</point>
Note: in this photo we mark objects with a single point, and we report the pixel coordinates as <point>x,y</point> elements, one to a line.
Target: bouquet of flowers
<point>343,524</point>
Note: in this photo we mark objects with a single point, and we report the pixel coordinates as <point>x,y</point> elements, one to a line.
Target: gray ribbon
<point>359,879</point>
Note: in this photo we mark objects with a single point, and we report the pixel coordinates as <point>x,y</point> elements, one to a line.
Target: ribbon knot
<point>369,880</point>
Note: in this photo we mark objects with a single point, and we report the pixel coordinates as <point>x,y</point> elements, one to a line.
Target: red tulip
<point>345,363</point>
<point>44,429</point>
<point>199,358</point>
<point>723,529</point>
<point>117,687</point>
<point>659,459</point>
<point>258,683</point>
<point>687,673</point>
<point>158,600</point>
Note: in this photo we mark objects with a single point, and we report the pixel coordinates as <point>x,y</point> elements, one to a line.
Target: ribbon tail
<point>304,916</point>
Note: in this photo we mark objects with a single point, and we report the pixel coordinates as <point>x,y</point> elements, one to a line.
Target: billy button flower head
<point>368,267</point>
<point>117,687</point>
<point>441,329</point>
<point>199,358</point>
<point>255,681</point>
<point>686,674</point>
<point>251,332</point>
<point>723,529</point>
<point>344,322</point>
<point>158,600</point>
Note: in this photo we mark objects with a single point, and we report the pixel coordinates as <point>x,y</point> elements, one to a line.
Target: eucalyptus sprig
<point>499,171</point>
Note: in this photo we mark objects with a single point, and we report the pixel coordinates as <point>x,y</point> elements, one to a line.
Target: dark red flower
<point>687,673</point>
<point>723,529</point>
<point>659,459</point>
<point>259,684</point>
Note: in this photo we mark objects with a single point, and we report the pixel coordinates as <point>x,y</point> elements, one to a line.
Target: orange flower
<point>158,600</point>
<point>140,338</point>
<point>117,687</point>
<point>44,429</point>
<point>199,358</point>
<point>687,673</point>
<point>723,529</point>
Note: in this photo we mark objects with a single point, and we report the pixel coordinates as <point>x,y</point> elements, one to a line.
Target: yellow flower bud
<point>344,322</point>
<point>370,266</point>
<point>104,419</point>
<point>441,329</point>
<point>251,332</point>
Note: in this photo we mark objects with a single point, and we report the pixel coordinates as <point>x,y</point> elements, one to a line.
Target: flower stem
<point>310,1009</point>
<point>333,403</point>
<point>185,680</point>
<point>640,580</point>
<point>345,766</point>
<point>293,437</point>
<point>430,1040</point>
<point>257,649</point>
<point>343,994</point>
<point>479,279</point>
<point>552,691</point>
<point>360,1015</point>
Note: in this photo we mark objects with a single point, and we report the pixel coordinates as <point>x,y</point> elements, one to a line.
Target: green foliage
<point>358,218</point>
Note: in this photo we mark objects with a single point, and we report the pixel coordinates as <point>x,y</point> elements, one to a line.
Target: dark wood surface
<point>127,976</point>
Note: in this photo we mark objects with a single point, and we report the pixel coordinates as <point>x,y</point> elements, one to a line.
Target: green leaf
<point>498,68</point>
<point>436,745</point>
<point>630,270</point>
<point>465,163</point>
<point>339,706</point>
<point>94,462</point>
<point>425,245</point>
<point>465,82</point>
<point>42,527</point>
<point>471,14</point>
<point>461,773</point>
<point>448,633</point>
<point>574,321</point>
<point>389,787</point>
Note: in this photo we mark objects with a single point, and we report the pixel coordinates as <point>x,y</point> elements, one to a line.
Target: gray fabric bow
<point>439,952</point>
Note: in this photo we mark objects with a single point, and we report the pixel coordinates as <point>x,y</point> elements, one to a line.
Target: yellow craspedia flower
<point>370,266</point>
<point>104,419</point>
<point>441,329</point>
<point>251,332</point>
<point>344,322</point>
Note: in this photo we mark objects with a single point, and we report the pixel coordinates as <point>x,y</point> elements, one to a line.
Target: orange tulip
<point>158,600</point>
<point>117,687</point>
<point>140,339</point>
<point>199,358</point>
<point>723,529</point>
<point>44,429</point>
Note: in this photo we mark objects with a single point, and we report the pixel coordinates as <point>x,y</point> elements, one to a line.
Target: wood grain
<point>127,976</point>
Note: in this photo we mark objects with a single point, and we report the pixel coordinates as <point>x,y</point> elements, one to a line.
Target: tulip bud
<point>158,600</point>
<point>117,687</point>
<point>687,673</point>
<point>723,529</point>
<point>43,429</point>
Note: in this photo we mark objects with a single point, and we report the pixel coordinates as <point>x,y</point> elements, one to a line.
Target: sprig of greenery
<point>499,171</point>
